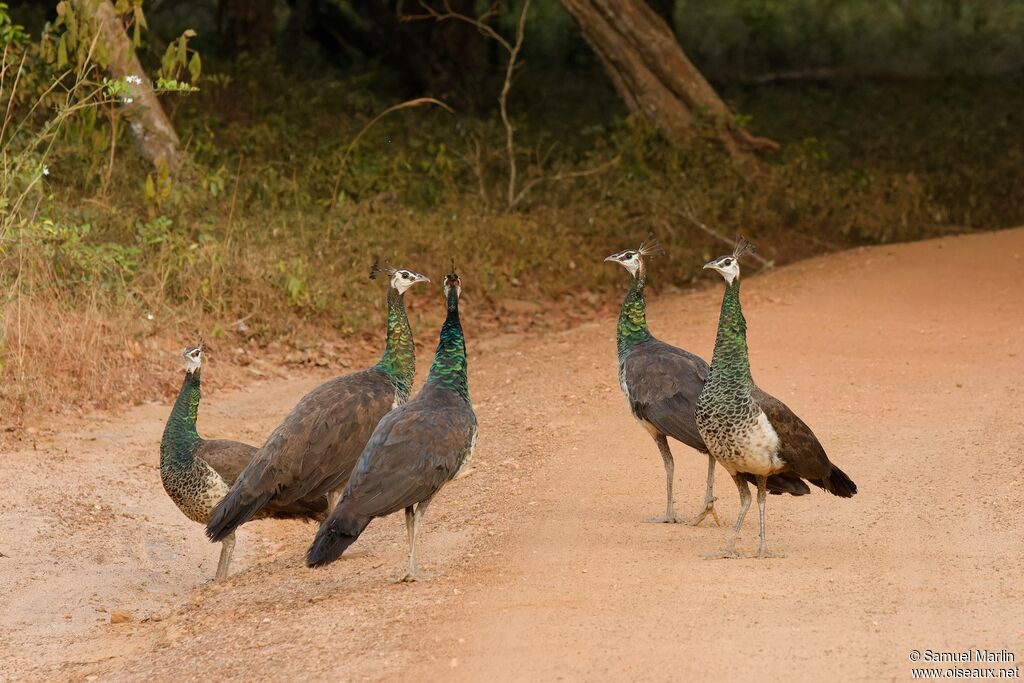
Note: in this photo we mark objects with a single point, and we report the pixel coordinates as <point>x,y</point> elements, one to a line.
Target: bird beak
<point>710,264</point>
<point>422,278</point>
<point>612,258</point>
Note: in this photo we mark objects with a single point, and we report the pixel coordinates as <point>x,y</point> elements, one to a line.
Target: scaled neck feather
<point>632,326</point>
<point>399,360</point>
<point>730,361</point>
<point>180,439</point>
<point>450,365</point>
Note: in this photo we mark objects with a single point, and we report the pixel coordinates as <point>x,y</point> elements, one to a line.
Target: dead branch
<point>417,102</point>
<point>512,48</point>
<point>687,214</point>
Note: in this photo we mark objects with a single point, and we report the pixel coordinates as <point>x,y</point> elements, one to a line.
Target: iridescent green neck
<point>180,440</point>
<point>632,327</point>
<point>730,362</point>
<point>399,360</point>
<point>449,367</point>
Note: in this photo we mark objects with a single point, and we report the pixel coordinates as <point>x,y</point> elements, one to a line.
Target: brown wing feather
<point>228,458</point>
<point>800,448</point>
<point>311,452</point>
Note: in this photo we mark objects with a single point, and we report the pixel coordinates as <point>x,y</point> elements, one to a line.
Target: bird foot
<point>726,553</point>
<point>667,519</point>
<point>709,509</point>
<point>413,576</point>
<point>763,553</point>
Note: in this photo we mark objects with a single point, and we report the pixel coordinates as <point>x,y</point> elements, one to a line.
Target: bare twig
<point>530,184</point>
<point>417,102</point>
<point>477,164</point>
<point>687,214</point>
<point>512,48</point>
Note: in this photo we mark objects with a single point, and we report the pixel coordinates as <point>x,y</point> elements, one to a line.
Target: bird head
<point>633,259</point>
<point>728,266</point>
<point>193,356</point>
<point>452,281</point>
<point>400,278</point>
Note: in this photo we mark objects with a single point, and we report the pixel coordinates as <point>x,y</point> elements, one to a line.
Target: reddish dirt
<point>906,360</point>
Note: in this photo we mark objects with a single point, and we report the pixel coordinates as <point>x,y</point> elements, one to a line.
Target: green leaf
<point>140,18</point>
<point>195,67</point>
<point>62,53</point>
<point>182,56</point>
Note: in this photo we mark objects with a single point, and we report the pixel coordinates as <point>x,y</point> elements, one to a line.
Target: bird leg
<point>709,496</point>
<point>412,526</point>
<point>762,494</point>
<point>729,550</point>
<point>227,546</point>
<point>670,516</point>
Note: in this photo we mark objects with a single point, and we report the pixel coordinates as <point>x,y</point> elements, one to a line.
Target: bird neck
<point>730,362</point>
<point>399,360</point>
<point>180,440</point>
<point>632,326</point>
<point>449,368</point>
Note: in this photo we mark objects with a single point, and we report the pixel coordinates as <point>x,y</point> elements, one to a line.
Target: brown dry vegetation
<point>107,268</point>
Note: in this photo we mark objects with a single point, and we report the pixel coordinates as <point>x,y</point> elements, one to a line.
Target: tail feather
<point>334,538</point>
<point>837,483</point>
<point>232,512</point>
<point>313,510</point>
<point>779,484</point>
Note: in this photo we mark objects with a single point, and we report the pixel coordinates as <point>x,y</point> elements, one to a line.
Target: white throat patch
<point>193,361</point>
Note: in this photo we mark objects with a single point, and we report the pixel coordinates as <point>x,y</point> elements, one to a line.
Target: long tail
<point>837,483</point>
<point>232,512</point>
<point>334,538</point>
<point>782,483</point>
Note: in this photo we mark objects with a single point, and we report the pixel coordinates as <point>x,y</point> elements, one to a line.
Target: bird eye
<point>630,254</point>
<point>406,275</point>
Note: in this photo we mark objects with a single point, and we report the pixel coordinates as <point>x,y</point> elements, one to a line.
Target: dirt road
<point>906,360</point>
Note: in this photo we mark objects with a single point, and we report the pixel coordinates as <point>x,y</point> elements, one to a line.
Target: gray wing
<point>664,383</point>
<point>800,448</point>
<point>414,451</point>
<point>315,447</point>
<point>228,458</point>
<point>311,452</point>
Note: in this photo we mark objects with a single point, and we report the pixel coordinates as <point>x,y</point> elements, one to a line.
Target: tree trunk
<point>154,135</point>
<point>666,9</point>
<point>652,75</point>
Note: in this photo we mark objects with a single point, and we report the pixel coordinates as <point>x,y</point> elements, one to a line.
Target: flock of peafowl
<point>361,446</point>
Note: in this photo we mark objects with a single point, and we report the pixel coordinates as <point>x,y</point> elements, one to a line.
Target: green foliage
<point>249,229</point>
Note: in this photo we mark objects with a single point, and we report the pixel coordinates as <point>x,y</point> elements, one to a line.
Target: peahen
<point>311,453</point>
<point>415,450</point>
<point>661,384</point>
<point>747,431</point>
<point>196,473</point>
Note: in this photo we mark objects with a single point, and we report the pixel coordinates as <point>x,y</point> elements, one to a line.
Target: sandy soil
<point>906,360</point>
